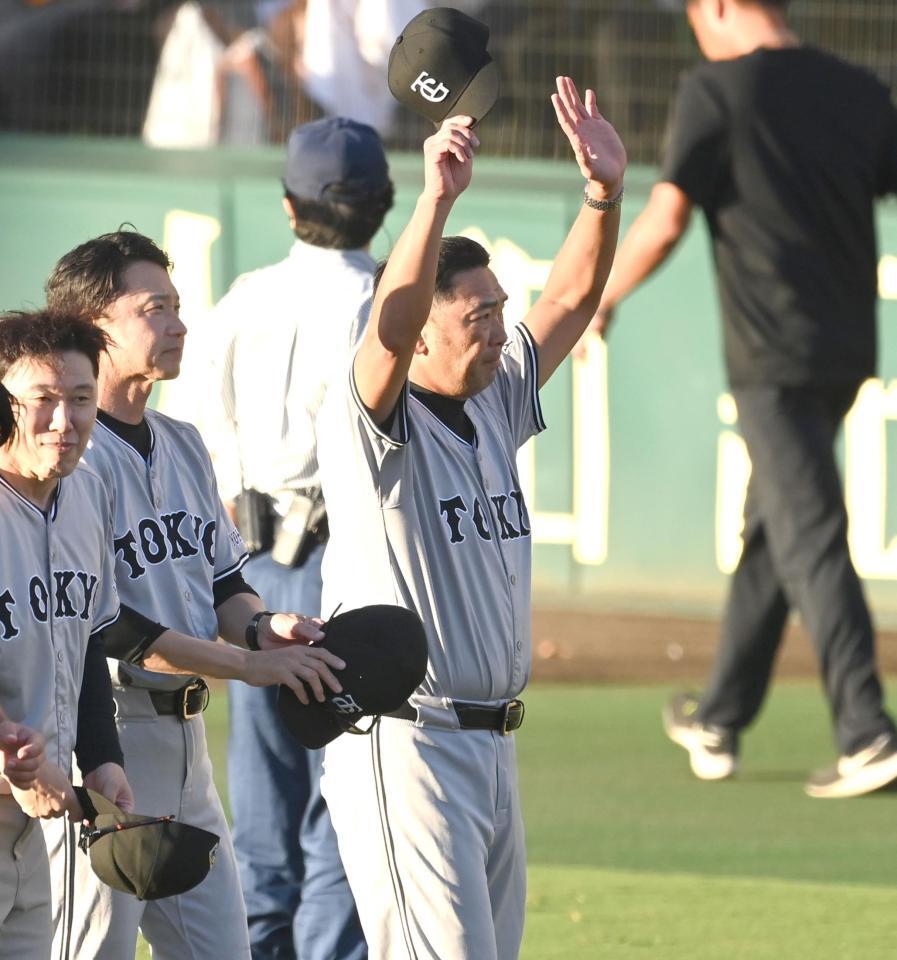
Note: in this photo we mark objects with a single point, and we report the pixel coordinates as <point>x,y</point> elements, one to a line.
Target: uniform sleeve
<point>392,434</point>
<point>695,156</point>
<point>230,551</point>
<point>105,604</point>
<point>517,386</point>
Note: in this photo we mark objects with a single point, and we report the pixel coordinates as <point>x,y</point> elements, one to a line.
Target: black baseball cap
<point>439,66</point>
<point>385,651</point>
<point>335,159</point>
<point>148,857</point>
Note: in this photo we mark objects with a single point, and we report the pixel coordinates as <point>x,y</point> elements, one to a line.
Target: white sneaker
<point>867,770</point>
<point>712,750</point>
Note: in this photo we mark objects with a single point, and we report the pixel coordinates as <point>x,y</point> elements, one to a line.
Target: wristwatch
<point>611,204</point>
<point>252,630</point>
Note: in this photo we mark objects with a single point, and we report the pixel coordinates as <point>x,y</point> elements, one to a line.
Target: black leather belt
<point>475,716</point>
<point>186,703</point>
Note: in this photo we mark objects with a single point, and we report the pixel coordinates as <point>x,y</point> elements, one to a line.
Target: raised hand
<point>448,158</point>
<point>598,150</point>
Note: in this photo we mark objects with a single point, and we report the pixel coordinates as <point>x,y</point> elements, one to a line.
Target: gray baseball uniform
<point>422,518</point>
<point>173,540</point>
<point>56,589</point>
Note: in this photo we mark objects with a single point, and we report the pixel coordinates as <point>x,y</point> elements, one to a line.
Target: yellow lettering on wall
<point>188,239</point>
<point>866,480</point>
<point>733,470</point>
<point>887,278</point>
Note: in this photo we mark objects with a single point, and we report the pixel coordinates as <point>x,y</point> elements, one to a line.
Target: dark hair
<point>456,254</point>
<point>340,224</point>
<point>7,417</point>
<point>42,334</point>
<point>90,277</point>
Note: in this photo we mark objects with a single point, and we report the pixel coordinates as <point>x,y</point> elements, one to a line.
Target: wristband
<point>252,630</point>
<point>613,204</point>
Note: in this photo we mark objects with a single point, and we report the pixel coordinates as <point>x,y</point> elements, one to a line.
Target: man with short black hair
<point>178,560</point>
<point>418,446</point>
<point>785,149</point>
<point>58,595</point>
<point>282,330</point>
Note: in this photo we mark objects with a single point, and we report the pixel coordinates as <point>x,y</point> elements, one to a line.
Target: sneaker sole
<point>862,782</point>
<point>704,766</point>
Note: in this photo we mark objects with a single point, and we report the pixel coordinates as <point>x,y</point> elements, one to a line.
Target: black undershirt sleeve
<point>97,739</point>
<point>230,586</point>
<point>130,636</point>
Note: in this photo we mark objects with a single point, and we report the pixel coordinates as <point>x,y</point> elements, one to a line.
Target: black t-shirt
<point>785,151</point>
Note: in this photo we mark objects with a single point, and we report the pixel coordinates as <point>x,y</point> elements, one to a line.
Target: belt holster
<point>302,528</point>
<point>255,520</point>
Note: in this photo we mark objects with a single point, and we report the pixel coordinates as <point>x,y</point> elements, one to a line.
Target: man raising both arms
<point>417,451</point>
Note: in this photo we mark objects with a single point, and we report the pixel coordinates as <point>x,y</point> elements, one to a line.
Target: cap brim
<point>480,95</point>
<point>311,724</point>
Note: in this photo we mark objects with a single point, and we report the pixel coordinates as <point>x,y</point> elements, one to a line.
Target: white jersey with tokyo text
<point>57,587</point>
<point>172,536</point>
<point>421,518</point>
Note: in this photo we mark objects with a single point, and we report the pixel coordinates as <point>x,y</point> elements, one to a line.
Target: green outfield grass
<point>630,856</point>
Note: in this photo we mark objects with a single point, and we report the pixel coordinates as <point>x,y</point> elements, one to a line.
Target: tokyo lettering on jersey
<point>439,524</point>
<point>57,588</point>
<point>172,536</point>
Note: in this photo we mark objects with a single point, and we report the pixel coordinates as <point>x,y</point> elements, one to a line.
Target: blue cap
<point>335,159</point>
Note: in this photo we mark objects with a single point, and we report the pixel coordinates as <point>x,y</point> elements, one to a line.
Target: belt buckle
<point>507,721</point>
<point>194,685</point>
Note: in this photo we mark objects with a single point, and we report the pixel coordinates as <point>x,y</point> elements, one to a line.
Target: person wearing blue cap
<point>283,329</point>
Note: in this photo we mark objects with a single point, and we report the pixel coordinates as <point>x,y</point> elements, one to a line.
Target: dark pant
<point>796,557</point>
<point>297,897</point>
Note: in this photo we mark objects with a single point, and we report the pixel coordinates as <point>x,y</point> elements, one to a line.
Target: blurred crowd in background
<point>196,74</point>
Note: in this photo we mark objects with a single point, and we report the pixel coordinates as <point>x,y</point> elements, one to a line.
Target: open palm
<point>598,150</point>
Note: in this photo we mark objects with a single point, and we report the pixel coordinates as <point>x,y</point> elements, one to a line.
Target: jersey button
<point>188,596</point>
<point>59,656</point>
<point>519,645</point>
<point>513,579</point>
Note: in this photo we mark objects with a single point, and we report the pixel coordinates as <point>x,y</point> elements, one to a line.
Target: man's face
<point>55,406</point>
<point>464,336</point>
<point>143,324</point>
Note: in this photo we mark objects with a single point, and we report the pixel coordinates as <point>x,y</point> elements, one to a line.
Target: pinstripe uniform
<point>56,589</point>
<point>173,540</point>
<point>422,518</point>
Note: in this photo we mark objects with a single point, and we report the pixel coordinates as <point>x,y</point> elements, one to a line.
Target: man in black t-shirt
<point>785,149</point>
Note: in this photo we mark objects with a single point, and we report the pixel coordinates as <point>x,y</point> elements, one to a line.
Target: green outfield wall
<point>635,490</point>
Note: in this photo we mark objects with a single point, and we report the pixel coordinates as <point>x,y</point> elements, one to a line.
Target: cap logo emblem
<point>430,88</point>
<point>346,704</point>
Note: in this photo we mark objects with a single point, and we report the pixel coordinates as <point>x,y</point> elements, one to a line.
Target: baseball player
<point>56,597</point>
<point>177,563</point>
<point>417,452</point>
<point>297,322</point>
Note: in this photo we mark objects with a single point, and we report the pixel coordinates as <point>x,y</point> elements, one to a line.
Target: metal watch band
<point>611,204</point>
